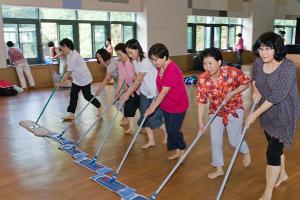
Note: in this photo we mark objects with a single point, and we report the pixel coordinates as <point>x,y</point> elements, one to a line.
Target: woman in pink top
<point>172,98</point>
<point>127,74</point>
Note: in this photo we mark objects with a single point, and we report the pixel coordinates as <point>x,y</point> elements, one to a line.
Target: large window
<point>32,28</point>
<point>289,27</point>
<point>204,32</point>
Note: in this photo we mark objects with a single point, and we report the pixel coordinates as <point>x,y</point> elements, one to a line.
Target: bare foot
<point>147,145</point>
<point>123,122</point>
<point>174,156</point>
<point>165,140</point>
<point>246,159</point>
<point>69,117</point>
<point>281,179</point>
<point>129,131</point>
<point>265,197</point>
<point>213,175</point>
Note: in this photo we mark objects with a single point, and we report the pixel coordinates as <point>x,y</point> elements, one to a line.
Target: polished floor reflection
<point>33,168</point>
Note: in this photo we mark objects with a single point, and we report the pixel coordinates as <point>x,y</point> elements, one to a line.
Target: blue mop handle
<point>101,145</point>
<point>64,131</point>
<point>234,155</point>
<point>114,177</point>
<point>52,93</point>
<point>76,117</point>
<point>154,195</point>
<point>105,111</point>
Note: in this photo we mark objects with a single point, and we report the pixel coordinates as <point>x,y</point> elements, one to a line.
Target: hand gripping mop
<point>155,194</point>
<point>111,183</point>
<point>234,156</point>
<point>91,164</point>
<point>59,137</point>
<point>71,148</point>
<point>34,127</point>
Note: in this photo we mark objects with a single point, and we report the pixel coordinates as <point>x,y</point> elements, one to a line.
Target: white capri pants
<point>234,130</point>
<point>21,69</point>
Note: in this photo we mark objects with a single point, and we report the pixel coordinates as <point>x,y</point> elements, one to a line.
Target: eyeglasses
<point>267,50</point>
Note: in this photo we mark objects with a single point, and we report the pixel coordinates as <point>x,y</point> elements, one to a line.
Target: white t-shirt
<point>112,68</point>
<point>80,72</point>
<point>148,86</point>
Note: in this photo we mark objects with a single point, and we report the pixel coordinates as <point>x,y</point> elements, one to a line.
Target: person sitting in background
<point>18,60</point>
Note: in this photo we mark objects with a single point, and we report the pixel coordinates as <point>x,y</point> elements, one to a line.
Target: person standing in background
<point>18,60</point>
<point>108,46</point>
<point>239,48</point>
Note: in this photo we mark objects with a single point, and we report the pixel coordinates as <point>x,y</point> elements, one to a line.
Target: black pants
<point>86,91</point>
<point>274,151</point>
<point>131,105</point>
<point>239,56</point>
<point>173,122</point>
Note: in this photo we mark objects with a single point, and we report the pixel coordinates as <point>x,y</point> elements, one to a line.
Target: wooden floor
<point>33,168</point>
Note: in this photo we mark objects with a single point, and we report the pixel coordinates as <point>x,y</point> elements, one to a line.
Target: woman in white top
<point>146,81</point>
<point>81,77</point>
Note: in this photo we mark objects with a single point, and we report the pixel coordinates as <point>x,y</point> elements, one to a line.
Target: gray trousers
<point>234,130</point>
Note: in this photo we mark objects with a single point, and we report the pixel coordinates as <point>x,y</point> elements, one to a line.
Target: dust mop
<point>155,194</point>
<point>234,155</point>
<point>59,136</point>
<point>91,164</point>
<point>112,183</point>
<point>34,127</point>
<point>72,148</point>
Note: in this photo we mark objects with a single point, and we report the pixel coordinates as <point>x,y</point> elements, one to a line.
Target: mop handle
<point>108,130</point>
<point>104,112</point>
<point>234,155</point>
<point>76,117</point>
<point>130,146</point>
<point>154,195</point>
<point>52,93</point>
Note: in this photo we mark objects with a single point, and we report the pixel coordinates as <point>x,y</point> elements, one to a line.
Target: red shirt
<point>176,101</point>
<point>16,56</point>
<point>230,78</point>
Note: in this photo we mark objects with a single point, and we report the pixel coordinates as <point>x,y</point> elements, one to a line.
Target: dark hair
<point>158,50</point>
<point>120,47</point>
<point>67,42</point>
<point>50,44</point>
<point>212,52</point>
<point>104,54</point>
<point>108,39</point>
<point>134,44</point>
<point>272,40</point>
<point>10,44</point>
<point>239,35</point>
<point>281,32</point>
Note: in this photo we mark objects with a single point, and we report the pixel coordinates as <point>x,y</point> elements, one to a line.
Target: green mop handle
<point>52,93</point>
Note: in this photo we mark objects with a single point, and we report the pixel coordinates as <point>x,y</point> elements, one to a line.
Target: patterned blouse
<point>16,56</point>
<point>279,88</point>
<point>230,78</point>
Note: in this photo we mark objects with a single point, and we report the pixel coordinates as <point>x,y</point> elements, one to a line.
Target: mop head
<point>112,185</point>
<point>136,197</point>
<point>73,151</point>
<point>60,139</point>
<point>95,167</point>
<point>34,128</point>
<point>127,193</point>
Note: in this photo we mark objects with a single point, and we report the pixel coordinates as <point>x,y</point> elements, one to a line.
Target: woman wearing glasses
<point>275,86</point>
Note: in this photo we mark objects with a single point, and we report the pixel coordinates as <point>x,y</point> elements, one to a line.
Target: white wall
<point>167,23</point>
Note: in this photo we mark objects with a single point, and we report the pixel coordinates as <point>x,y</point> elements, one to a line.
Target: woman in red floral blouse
<point>216,84</point>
